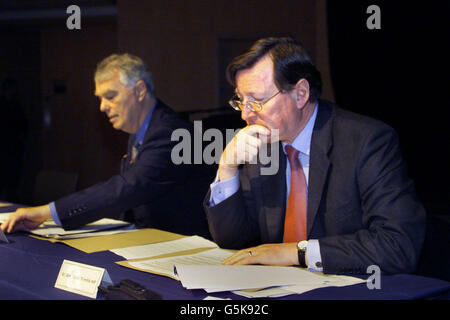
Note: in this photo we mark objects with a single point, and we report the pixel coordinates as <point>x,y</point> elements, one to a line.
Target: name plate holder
<point>3,237</point>
<point>81,278</point>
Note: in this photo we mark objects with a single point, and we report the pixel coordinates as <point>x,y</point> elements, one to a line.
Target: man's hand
<point>276,254</point>
<point>26,218</point>
<point>243,148</point>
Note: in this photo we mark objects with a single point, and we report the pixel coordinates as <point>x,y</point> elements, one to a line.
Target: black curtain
<point>399,74</point>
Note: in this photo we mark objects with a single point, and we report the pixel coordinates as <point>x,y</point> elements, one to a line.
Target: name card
<point>81,278</point>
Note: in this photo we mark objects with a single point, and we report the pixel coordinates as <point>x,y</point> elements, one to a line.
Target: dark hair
<point>291,63</point>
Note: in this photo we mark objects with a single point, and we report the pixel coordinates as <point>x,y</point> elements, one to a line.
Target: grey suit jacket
<point>361,204</point>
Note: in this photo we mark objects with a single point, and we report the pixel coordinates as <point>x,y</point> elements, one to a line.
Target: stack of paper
<point>280,291</point>
<point>197,263</point>
<point>49,229</point>
<point>230,278</point>
<point>274,281</point>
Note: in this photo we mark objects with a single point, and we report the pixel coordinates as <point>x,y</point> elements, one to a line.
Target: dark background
<point>397,74</point>
<point>54,140</point>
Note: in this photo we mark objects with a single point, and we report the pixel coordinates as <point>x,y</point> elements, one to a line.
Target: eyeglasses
<point>255,106</point>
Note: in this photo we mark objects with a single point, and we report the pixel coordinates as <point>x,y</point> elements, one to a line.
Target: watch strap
<point>301,258</point>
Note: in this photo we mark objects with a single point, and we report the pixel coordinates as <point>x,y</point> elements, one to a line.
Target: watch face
<point>302,245</point>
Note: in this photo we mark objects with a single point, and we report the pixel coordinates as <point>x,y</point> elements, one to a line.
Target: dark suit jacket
<point>160,194</point>
<point>361,205</point>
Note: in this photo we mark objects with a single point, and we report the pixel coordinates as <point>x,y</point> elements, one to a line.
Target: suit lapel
<point>153,124</point>
<point>321,142</point>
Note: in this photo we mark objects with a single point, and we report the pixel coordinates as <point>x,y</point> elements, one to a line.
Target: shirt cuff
<point>54,213</point>
<point>314,257</point>
<point>221,190</point>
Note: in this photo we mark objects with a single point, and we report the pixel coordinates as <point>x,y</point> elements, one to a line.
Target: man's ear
<point>141,90</point>
<point>301,90</point>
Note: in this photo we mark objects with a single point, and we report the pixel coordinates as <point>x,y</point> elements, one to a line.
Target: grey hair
<point>131,69</point>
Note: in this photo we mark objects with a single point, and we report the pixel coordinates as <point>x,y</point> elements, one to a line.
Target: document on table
<point>50,230</point>
<point>166,247</point>
<point>127,237</point>
<point>165,266</point>
<point>108,232</point>
<point>290,280</point>
<point>281,291</point>
<point>204,270</point>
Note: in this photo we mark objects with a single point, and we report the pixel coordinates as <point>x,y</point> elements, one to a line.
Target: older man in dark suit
<point>151,190</point>
<point>340,201</point>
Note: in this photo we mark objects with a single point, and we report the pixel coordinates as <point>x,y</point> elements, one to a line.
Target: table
<point>29,268</point>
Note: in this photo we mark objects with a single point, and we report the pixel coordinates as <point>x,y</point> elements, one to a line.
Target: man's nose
<point>246,113</point>
<point>103,105</point>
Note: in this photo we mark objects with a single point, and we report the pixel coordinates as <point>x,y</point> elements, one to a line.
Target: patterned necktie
<point>295,218</point>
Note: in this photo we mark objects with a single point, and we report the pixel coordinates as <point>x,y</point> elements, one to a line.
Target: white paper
<point>232,278</point>
<point>160,248</point>
<point>129,228</point>
<point>165,266</point>
<point>281,291</point>
<point>51,230</point>
<point>227,278</point>
<point>215,298</point>
<point>272,292</point>
<point>327,281</point>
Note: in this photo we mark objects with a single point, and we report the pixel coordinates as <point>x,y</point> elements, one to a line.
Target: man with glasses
<point>150,191</point>
<point>341,199</point>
